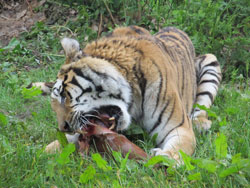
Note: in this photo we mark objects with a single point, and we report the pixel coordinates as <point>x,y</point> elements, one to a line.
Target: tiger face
<point>86,88</point>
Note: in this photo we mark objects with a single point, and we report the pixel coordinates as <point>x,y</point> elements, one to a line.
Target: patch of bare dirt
<point>17,16</point>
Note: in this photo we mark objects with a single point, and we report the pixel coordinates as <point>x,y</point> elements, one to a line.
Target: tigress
<point>154,80</point>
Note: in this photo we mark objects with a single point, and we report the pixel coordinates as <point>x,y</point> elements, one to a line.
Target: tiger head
<point>86,88</point>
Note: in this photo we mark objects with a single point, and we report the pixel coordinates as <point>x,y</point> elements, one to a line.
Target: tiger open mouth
<point>107,116</point>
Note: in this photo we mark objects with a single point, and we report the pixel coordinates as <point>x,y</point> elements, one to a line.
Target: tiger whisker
<point>90,115</point>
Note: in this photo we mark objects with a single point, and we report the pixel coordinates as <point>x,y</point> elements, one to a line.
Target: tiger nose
<point>64,127</point>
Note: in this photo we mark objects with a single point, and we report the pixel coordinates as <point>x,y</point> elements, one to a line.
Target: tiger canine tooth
<point>112,118</point>
<point>112,126</point>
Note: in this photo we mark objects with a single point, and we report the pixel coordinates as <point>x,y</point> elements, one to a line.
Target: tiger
<point>156,81</point>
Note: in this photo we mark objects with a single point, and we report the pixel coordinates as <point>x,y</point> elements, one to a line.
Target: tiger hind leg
<point>209,76</point>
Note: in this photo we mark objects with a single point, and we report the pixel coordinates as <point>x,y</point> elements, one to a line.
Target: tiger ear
<point>71,48</point>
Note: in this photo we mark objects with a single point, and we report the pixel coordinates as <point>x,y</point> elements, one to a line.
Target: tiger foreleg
<point>55,146</point>
<point>181,138</point>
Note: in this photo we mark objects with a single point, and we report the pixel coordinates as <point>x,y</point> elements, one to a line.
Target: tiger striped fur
<point>154,80</point>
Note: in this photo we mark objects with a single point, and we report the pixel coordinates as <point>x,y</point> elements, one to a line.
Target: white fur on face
<point>94,90</point>
<point>57,89</point>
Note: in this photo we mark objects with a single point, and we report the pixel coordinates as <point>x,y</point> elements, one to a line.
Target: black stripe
<point>160,116</point>
<point>179,125</point>
<point>122,67</point>
<point>173,29</point>
<point>142,84</point>
<point>209,81</point>
<point>205,93</point>
<point>106,76</point>
<point>75,82</point>
<point>174,40</point>
<point>79,73</point>
<point>70,96</point>
<point>87,90</point>
<point>112,60</point>
<point>99,89</point>
<point>211,72</point>
<point>185,37</point>
<point>136,29</point>
<point>77,105</point>
<point>49,84</point>
<point>153,40</point>
<point>201,59</point>
<point>118,96</point>
<point>161,44</point>
<point>160,88</point>
<point>189,64</point>
<point>63,85</point>
<point>213,64</point>
<point>103,75</point>
<point>54,92</point>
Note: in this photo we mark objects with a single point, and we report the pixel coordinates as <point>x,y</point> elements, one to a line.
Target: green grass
<point>30,125</point>
<point>27,123</point>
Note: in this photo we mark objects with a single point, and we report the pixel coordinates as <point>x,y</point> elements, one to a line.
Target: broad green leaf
<point>229,171</point>
<point>243,163</point>
<point>88,174</point>
<point>101,163</point>
<point>12,44</point>
<point>196,176</point>
<point>187,160</point>
<point>3,119</point>
<point>64,156</point>
<point>61,138</point>
<point>209,165</point>
<point>221,146</point>
<point>70,148</point>
<point>31,92</point>
<point>236,167</point>
<point>236,158</point>
<point>63,159</point>
<point>159,159</point>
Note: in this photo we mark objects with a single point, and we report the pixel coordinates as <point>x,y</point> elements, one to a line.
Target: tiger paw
<point>172,154</point>
<point>202,123</point>
<point>53,147</point>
